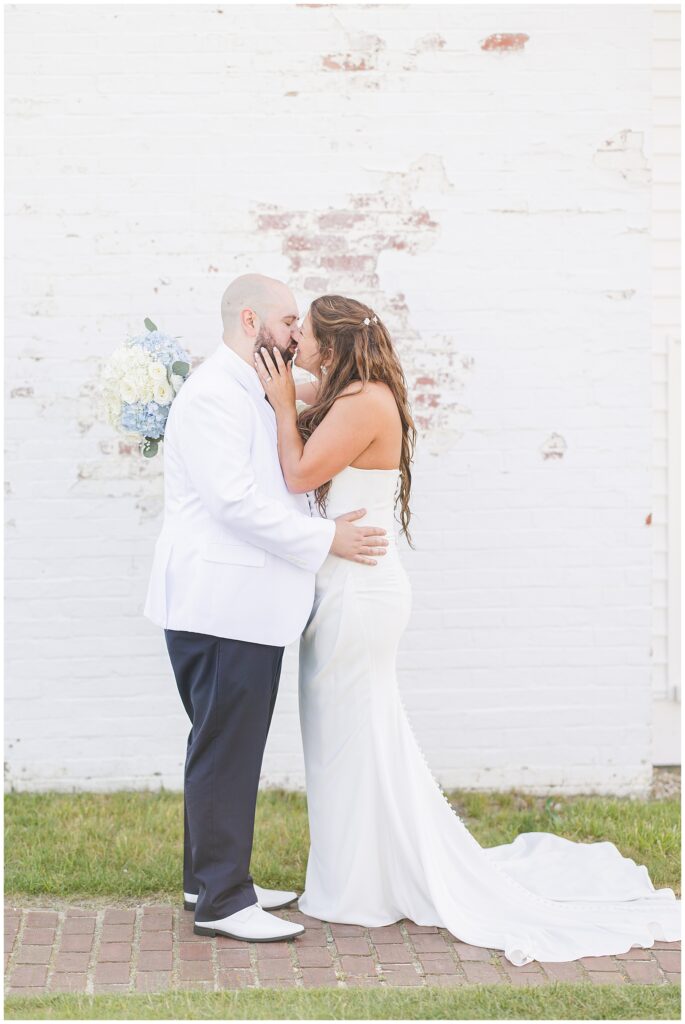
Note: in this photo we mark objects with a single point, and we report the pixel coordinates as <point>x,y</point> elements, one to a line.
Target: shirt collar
<point>242,370</point>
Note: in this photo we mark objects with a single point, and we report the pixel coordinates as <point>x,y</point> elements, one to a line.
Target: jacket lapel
<point>248,379</point>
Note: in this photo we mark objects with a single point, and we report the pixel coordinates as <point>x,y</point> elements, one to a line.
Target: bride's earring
<point>324,370</point>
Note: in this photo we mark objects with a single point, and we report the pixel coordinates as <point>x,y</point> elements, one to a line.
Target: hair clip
<point>367,321</point>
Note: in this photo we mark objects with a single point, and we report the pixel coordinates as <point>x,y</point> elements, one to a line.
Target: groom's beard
<point>265,339</point>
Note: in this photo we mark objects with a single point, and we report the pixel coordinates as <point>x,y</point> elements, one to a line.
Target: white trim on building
<point>665,521</point>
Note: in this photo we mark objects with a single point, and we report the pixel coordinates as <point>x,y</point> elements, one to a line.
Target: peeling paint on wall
<point>430,43</point>
<point>624,154</point>
<point>337,250</point>
<point>364,55</point>
<point>504,42</point>
<point>100,214</point>
<point>554,447</point>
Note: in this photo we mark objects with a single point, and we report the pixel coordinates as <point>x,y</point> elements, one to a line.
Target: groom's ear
<point>248,321</point>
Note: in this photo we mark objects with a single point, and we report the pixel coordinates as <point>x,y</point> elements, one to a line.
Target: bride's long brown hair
<point>359,353</point>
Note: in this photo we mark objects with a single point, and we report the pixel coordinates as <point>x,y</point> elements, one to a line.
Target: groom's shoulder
<point>210,378</point>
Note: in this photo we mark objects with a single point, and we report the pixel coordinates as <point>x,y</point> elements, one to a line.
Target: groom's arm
<point>214,439</point>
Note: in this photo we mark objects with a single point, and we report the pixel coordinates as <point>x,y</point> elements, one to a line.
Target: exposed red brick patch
<point>648,520</point>
<point>339,220</point>
<point>432,401</point>
<point>337,250</point>
<point>348,262</point>
<point>504,41</point>
<point>312,243</point>
<point>422,219</point>
<point>273,221</point>
<point>432,42</point>
<point>346,63</point>
<point>365,60</point>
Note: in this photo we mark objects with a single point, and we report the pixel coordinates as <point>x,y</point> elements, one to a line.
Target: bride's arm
<point>345,432</point>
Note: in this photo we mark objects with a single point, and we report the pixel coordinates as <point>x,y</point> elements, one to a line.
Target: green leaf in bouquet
<point>149,447</point>
<point>149,324</point>
<point>180,368</point>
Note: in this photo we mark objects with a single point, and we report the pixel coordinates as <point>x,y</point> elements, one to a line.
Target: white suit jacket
<point>238,553</point>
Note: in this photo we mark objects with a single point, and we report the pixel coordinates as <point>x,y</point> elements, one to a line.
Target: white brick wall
<point>490,195</point>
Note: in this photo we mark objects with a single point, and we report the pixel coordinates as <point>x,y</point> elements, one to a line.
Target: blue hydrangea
<point>160,345</point>
<point>145,418</point>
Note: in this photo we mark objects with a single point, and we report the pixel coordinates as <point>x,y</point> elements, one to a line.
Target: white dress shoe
<point>274,899</point>
<point>252,924</point>
<point>268,899</point>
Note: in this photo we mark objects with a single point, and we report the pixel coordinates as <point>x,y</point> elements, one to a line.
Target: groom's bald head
<point>259,311</point>
<point>255,292</point>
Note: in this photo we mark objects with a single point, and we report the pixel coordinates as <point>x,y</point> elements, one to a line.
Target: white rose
<point>162,394</point>
<point>158,373</point>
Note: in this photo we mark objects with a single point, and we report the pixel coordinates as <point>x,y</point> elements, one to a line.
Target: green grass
<point>556,1001</point>
<point>129,845</point>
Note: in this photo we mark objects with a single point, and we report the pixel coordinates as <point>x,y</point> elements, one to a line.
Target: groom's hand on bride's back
<point>358,543</point>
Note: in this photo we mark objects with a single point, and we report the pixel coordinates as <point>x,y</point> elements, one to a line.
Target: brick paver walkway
<point>153,949</point>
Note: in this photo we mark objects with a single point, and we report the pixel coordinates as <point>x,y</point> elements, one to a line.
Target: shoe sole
<point>187,905</point>
<point>199,930</point>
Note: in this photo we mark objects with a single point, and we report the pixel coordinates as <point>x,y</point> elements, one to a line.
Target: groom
<point>232,583</point>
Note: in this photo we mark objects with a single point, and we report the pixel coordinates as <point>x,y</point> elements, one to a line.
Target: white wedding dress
<point>385,842</point>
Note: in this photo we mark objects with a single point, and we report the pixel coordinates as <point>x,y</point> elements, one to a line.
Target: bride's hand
<point>277,379</point>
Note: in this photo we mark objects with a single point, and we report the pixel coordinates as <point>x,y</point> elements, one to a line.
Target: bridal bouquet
<point>140,381</point>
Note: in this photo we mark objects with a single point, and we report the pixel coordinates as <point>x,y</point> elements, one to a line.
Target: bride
<point>385,842</point>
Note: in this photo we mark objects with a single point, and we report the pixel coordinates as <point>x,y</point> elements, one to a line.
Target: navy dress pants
<point>228,688</point>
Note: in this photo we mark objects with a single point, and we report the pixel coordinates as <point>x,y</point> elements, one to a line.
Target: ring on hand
<point>268,379</point>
